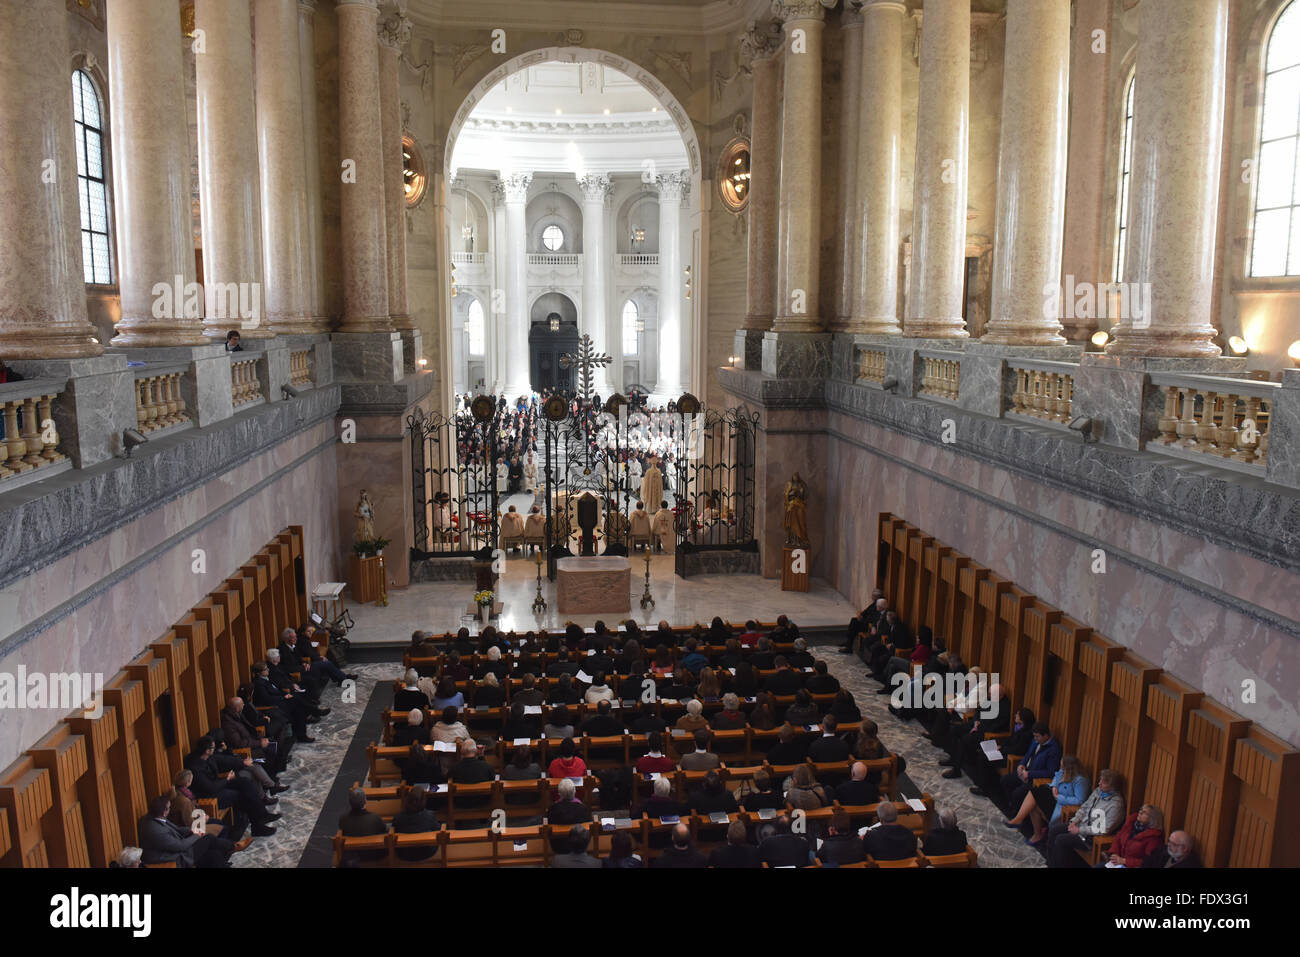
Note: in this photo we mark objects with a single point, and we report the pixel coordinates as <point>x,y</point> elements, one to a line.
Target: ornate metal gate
<point>455,496</point>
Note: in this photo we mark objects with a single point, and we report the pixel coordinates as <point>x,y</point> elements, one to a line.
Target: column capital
<point>788,11</point>
<point>307,8</point>
<point>515,186</point>
<point>675,185</point>
<point>890,6</point>
<point>365,5</point>
<point>496,187</point>
<point>394,31</point>
<point>761,40</point>
<point>852,15</point>
<point>596,187</point>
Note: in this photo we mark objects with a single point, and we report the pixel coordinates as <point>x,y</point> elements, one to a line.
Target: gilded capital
<point>789,10</point>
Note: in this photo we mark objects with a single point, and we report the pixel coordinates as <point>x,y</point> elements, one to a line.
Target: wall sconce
<point>554,320</point>
<point>1293,351</point>
<point>731,361</point>
<point>638,235</point>
<point>1100,338</point>
<point>688,283</point>
<point>422,362</point>
<point>1238,345</point>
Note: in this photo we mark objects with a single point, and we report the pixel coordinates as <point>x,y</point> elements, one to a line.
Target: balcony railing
<point>554,259</point>
<point>29,440</point>
<point>941,376</point>
<point>1044,390</point>
<point>158,400</point>
<point>468,259</point>
<point>300,368</point>
<point>245,387</point>
<point>871,365</point>
<point>638,259</point>
<point>1215,417</point>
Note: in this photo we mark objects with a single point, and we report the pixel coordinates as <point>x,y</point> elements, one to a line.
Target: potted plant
<point>370,547</point>
<point>484,601</point>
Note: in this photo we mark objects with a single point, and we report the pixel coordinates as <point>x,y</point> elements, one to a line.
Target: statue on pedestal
<point>796,513</point>
<point>365,516</point>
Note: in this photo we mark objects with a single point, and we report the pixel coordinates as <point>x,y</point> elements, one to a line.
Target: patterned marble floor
<point>438,606</point>
<point>978,817</point>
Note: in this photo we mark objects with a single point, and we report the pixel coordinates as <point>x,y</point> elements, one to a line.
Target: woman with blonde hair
<point>804,791</point>
<point>709,688</point>
<point>1042,805</point>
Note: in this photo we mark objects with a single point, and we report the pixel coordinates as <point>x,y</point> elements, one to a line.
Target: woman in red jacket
<point>1140,837</point>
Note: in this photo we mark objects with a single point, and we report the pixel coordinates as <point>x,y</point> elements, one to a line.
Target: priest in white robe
<point>652,487</point>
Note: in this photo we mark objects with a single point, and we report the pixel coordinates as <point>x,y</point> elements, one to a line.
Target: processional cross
<point>584,360</point>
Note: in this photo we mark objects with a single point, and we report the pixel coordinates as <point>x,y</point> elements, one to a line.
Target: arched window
<point>1276,242</point>
<point>1125,181</point>
<point>631,329</point>
<point>553,238</point>
<point>92,190</point>
<point>474,327</point>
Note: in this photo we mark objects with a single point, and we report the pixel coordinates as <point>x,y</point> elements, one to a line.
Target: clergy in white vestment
<point>662,526</point>
<point>512,527</point>
<point>652,487</point>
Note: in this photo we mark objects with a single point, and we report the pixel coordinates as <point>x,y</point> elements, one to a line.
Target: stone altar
<point>594,586</point>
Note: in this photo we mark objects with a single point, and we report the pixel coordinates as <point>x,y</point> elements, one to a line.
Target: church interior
<point>615,433</point>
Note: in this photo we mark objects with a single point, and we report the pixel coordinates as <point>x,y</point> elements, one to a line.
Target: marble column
<point>801,135</point>
<point>1032,162</point>
<point>518,374</point>
<point>228,168</point>
<point>1083,253</point>
<point>761,44</point>
<point>596,189</point>
<point>880,120</point>
<point>1173,210</point>
<point>940,172</point>
<point>286,258</point>
<point>850,97</point>
<point>672,188</point>
<point>364,231</point>
<point>394,33</point>
<point>494,334</point>
<point>42,285</point>
<point>151,173</point>
<point>315,238</point>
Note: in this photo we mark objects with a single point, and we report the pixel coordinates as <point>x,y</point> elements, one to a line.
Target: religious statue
<point>365,516</point>
<point>796,513</point>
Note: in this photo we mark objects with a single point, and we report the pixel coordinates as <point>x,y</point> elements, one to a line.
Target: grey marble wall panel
<point>442,570</point>
<point>207,389</point>
<point>1284,433</point>
<point>276,371</point>
<point>796,355</point>
<point>728,562</point>
<point>367,356</point>
<point>982,387</point>
<point>748,346</point>
<point>412,350</point>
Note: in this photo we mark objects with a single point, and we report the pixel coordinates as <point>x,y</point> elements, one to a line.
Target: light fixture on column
<point>1293,351</point>
<point>1238,345</point>
<point>688,283</point>
<point>554,320</point>
<point>1100,338</point>
<point>638,235</point>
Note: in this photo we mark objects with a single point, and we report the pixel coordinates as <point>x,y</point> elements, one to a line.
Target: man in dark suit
<point>785,681</point>
<point>603,723</point>
<point>579,839</point>
<point>290,661</point>
<point>267,694</point>
<point>680,853</point>
<point>830,747</point>
<point>521,725</point>
<point>648,720</point>
<point>784,848</point>
<point>966,735</point>
<point>241,733</point>
<point>842,844</point>
<point>737,852</point>
<point>889,841</point>
<point>162,841</point>
<point>230,790</point>
<point>762,657</point>
<point>1178,851</point>
<point>863,622</point>
<point>412,730</point>
<point>529,693</point>
<point>799,658</point>
<point>471,769</point>
<point>859,790</point>
<point>821,681</point>
<point>568,809</point>
<point>712,796</point>
<point>358,822</point>
<point>790,747</point>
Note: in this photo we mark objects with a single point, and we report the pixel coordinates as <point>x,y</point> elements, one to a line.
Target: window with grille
<point>92,179</point>
<point>1275,249</point>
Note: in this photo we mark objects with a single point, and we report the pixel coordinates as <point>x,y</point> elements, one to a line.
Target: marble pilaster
<point>799,224</point>
<point>1173,211</point>
<point>1085,185</point>
<point>150,173</point>
<point>1284,433</point>
<point>672,188</point>
<point>596,189</point>
<point>764,192</point>
<point>394,33</point>
<point>518,374</point>
<point>286,259</point>
<point>1031,176</point>
<point>42,291</point>
<point>875,228</point>
<point>311,162</point>
<point>851,67</point>
<point>228,163</point>
<point>364,230</point>
<point>934,308</point>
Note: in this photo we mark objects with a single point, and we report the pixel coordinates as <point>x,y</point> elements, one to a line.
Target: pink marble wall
<point>113,627</point>
<point>1170,624</point>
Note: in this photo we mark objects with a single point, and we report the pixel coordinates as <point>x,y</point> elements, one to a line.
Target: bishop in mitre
<point>652,486</point>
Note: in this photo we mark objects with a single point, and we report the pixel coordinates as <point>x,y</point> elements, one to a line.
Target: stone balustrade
<point>638,259</point>
<point>469,259</point>
<point>555,259</point>
<point>30,440</point>
<point>1043,390</point>
<point>159,402</point>
<point>1219,417</point>
<point>300,368</point>
<point>245,387</point>
<point>940,376</point>
<point>872,364</point>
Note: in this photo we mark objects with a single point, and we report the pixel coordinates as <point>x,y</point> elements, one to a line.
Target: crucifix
<point>584,360</point>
